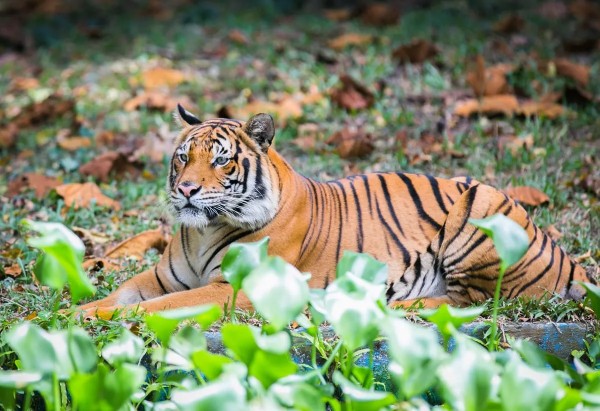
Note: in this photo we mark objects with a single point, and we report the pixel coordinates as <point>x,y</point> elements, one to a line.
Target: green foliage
<point>258,372</point>
<point>62,258</point>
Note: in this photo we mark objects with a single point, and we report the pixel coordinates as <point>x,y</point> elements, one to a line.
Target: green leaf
<point>18,380</point>
<point>241,259</point>
<point>269,367</point>
<point>361,399</point>
<point>126,348</point>
<point>510,239</point>
<point>449,319</point>
<point>352,308</point>
<point>592,297</point>
<point>467,380</point>
<point>224,394</point>
<point>211,365</point>
<point>164,323</point>
<point>62,259</point>
<point>294,393</point>
<point>239,339</point>
<point>278,291</point>
<point>527,389</point>
<point>363,266</point>
<point>317,305</point>
<point>105,389</point>
<point>415,354</point>
<point>82,350</point>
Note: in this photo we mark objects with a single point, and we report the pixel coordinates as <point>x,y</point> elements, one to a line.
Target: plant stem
<point>56,390</point>
<point>27,401</point>
<point>349,363</point>
<point>331,357</point>
<point>232,309</point>
<point>492,345</point>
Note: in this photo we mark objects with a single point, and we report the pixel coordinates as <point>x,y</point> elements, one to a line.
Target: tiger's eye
<point>183,157</point>
<point>221,161</point>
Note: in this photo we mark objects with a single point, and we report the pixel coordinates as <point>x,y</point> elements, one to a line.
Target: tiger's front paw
<point>105,313</point>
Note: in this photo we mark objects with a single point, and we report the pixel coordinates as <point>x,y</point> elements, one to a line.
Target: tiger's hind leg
<point>461,265</point>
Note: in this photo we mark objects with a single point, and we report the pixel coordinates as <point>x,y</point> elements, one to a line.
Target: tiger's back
<point>227,184</point>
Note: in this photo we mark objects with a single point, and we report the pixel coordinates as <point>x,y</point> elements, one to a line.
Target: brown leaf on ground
<point>489,81</point>
<point>154,100</point>
<point>527,195</point>
<point>13,270</point>
<point>162,77</point>
<point>24,83</point>
<point>506,104</point>
<point>585,10</point>
<point>546,109</point>
<point>138,245</point>
<point>236,36</point>
<point>553,232</point>
<point>510,23</point>
<point>380,14</point>
<point>107,164</point>
<point>580,73</point>
<point>309,135</point>
<point>39,183</point>
<point>96,264</point>
<point>8,135</point>
<point>91,239</point>
<point>349,39</point>
<point>81,195</point>
<point>283,109</point>
<point>514,144</point>
<point>338,14</point>
<point>352,142</point>
<point>72,143</point>
<point>53,107</point>
<point>352,95</point>
<point>415,52</point>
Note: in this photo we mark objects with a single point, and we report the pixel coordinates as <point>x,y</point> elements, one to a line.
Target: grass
<point>280,58</point>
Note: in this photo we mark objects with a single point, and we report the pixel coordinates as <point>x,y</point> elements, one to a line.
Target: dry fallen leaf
<point>489,81</point>
<point>380,14</point>
<point>40,184</point>
<point>553,232</point>
<point>81,195</point>
<point>137,246</point>
<point>24,83</point>
<point>8,135</point>
<point>352,95</point>
<point>527,195</point>
<point>510,23</point>
<point>162,77</point>
<point>415,52</point>
<point>515,144</point>
<point>13,270</point>
<point>73,143</point>
<point>352,142</point>
<point>109,163</point>
<point>349,39</point>
<point>154,100</point>
<point>45,111</point>
<point>338,14</point>
<point>580,73</point>
<point>236,36</point>
<point>547,109</point>
<point>506,104</point>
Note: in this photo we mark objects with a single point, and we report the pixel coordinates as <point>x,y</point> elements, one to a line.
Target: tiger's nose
<point>188,189</point>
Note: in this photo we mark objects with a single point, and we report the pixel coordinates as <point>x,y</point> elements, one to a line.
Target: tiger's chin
<point>193,218</point>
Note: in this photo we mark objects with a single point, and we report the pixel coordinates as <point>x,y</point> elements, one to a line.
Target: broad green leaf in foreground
<point>449,319</point>
<point>592,297</point>
<point>278,291</point>
<point>363,266</point>
<point>164,323</point>
<point>415,354</point>
<point>360,398</point>
<point>241,259</point>
<point>126,348</point>
<point>510,239</point>
<point>62,258</point>
<point>224,394</point>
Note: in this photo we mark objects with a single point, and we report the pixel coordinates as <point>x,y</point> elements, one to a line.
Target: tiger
<point>227,183</point>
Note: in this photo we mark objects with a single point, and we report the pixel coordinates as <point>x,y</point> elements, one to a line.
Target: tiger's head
<point>220,172</point>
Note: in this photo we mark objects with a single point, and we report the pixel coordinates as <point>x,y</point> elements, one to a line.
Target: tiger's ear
<point>184,118</point>
<point>261,129</point>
